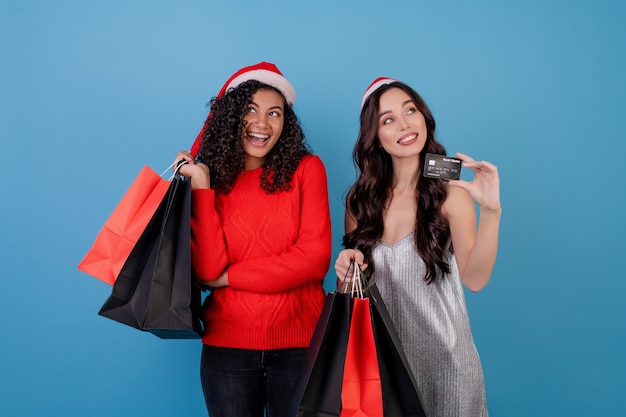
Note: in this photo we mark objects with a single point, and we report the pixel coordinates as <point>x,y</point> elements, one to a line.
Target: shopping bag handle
<point>178,164</point>
<point>356,287</point>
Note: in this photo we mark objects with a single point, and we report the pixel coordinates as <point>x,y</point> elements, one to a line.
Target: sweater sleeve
<point>209,256</point>
<point>308,259</point>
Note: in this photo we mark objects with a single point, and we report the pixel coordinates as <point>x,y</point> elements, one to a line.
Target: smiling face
<point>263,125</point>
<point>401,127</point>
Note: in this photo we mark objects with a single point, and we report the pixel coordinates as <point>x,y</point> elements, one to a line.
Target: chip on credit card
<point>442,167</point>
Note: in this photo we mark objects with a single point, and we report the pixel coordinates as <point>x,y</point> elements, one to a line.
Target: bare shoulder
<point>458,202</point>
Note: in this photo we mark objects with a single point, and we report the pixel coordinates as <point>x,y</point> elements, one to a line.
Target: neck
<point>405,173</point>
<point>250,162</point>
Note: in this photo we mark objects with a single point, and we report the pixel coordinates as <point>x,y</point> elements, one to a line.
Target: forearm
<point>208,250</point>
<point>281,272</point>
<point>481,260</point>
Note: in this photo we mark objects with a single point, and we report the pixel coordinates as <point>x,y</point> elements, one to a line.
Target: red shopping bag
<point>120,232</point>
<point>361,393</point>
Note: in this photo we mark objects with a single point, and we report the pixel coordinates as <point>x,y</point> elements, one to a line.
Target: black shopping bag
<point>401,397</point>
<point>154,291</point>
<point>317,392</point>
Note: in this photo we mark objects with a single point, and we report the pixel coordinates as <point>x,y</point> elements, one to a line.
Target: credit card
<point>442,167</point>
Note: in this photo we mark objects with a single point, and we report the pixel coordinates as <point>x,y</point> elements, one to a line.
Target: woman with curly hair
<point>261,242</point>
<point>416,237</point>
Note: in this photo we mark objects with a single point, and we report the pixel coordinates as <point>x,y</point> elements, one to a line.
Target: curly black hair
<point>222,151</point>
<point>367,197</point>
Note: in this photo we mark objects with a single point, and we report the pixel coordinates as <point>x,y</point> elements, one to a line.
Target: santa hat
<point>264,72</point>
<point>375,85</point>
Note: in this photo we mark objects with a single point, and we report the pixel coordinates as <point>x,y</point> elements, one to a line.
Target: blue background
<point>92,91</point>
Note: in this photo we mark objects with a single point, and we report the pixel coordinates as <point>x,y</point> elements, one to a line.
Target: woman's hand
<point>198,171</point>
<point>345,260</point>
<point>344,266</point>
<point>485,188</point>
<point>221,281</point>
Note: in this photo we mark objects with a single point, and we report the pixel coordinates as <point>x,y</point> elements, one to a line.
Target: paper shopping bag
<point>355,365</point>
<point>401,396</point>
<point>317,391</point>
<point>155,291</point>
<point>361,392</point>
<point>116,239</point>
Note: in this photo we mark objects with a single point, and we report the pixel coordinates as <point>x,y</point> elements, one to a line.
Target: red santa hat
<point>264,72</point>
<point>375,85</point>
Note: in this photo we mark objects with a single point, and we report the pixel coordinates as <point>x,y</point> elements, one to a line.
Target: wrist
<point>200,182</point>
<point>491,212</point>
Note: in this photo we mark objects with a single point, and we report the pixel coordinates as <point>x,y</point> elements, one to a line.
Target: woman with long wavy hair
<point>261,242</point>
<point>417,240</point>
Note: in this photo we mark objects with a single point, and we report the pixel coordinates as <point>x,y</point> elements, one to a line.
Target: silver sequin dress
<point>433,325</point>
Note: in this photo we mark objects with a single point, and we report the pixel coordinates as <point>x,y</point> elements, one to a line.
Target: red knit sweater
<point>277,250</point>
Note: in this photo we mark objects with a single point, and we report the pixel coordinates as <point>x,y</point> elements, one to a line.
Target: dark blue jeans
<point>248,383</point>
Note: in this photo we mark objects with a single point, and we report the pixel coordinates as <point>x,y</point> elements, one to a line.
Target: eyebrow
<point>389,111</point>
<point>271,108</point>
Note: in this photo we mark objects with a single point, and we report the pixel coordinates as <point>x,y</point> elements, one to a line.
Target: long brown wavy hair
<point>368,196</point>
<point>222,149</point>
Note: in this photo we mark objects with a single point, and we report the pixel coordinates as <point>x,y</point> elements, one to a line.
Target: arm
<point>475,248</point>
<point>308,259</point>
<point>347,256</point>
<point>205,225</point>
<point>208,249</point>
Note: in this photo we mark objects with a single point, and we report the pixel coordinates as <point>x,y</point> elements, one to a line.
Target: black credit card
<point>442,167</point>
